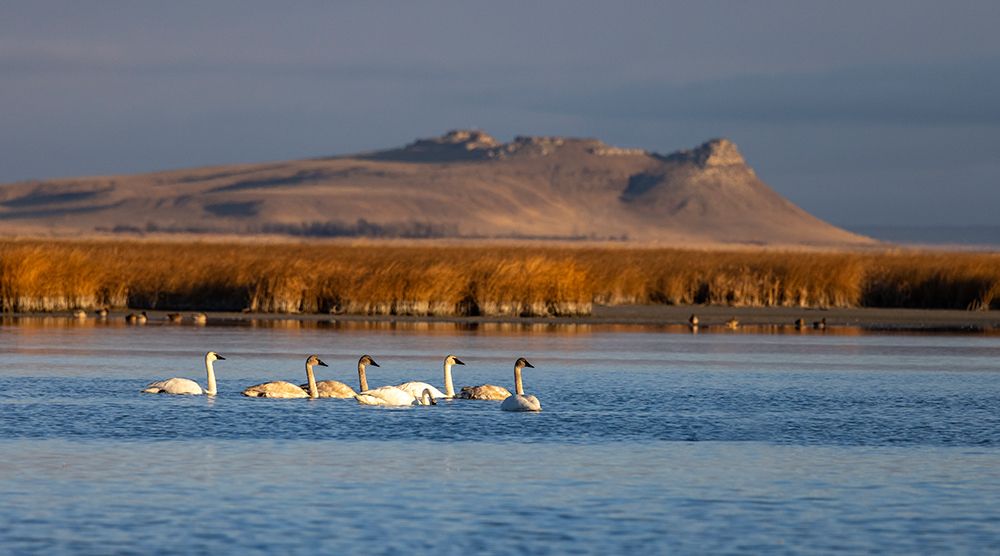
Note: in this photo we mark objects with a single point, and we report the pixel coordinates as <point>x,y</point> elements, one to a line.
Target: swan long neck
<point>211,390</point>
<point>517,380</point>
<point>313,391</point>
<point>449,386</point>
<point>362,379</point>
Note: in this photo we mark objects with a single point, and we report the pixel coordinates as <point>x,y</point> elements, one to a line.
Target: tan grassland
<point>374,278</point>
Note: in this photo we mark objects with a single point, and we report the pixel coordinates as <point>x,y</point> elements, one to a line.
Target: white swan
<point>282,389</point>
<point>519,401</point>
<point>385,395</point>
<point>186,385</point>
<point>417,388</point>
<point>337,389</point>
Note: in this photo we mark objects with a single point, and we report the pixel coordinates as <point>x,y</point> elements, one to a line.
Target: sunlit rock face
<point>464,183</point>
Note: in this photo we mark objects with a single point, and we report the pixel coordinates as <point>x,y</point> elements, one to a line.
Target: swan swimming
<point>337,389</point>
<point>282,389</point>
<point>417,388</point>
<point>385,395</point>
<point>484,392</point>
<point>186,385</point>
<point>519,401</point>
<point>426,398</point>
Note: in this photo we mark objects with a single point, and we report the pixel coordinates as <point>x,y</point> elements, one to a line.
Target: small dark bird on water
<point>820,324</point>
<point>133,318</point>
<point>800,324</point>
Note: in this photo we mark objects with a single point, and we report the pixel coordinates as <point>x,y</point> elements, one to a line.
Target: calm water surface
<point>649,442</point>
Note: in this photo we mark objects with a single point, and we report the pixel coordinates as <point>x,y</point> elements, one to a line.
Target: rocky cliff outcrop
<point>464,183</point>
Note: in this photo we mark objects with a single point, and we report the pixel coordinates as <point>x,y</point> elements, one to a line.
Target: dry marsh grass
<point>463,280</point>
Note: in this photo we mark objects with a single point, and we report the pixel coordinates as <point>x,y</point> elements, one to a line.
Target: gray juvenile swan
<point>282,389</point>
<point>426,398</point>
<point>417,388</point>
<point>337,389</point>
<point>519,401</point>
<point>186,385</point>
<point>484,392</point>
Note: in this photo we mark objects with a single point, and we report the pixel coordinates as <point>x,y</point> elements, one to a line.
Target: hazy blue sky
<point>860,112</point>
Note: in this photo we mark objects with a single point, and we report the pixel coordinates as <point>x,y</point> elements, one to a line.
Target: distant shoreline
<point>712,318</point>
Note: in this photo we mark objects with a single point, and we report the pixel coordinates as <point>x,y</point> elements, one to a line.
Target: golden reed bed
<point>387,279</point>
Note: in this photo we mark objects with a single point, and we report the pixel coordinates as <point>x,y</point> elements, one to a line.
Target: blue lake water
<point>649,442</point>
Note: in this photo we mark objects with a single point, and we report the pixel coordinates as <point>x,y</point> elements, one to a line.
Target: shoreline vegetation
<point>491,280</point>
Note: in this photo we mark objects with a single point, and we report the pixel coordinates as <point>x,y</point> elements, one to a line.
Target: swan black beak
<point>374,364</point>
<point>321,363</point>
<point>526,364</point>
<point>458,361</point>
<point>219,357</point>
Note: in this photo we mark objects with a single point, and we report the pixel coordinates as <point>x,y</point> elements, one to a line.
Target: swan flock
<point>413,393</point>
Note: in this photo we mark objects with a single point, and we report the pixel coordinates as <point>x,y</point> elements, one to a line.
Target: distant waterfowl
<point>282,389</point>
<point>820,324</point>
<point>800,324</point>
<point>186,385</point>
<point>174,318</point>
<point>416,388</point>
<point>520,401</point>
<point>199,318</point>
<point>732,324</point>
<point>80,314</point>
<point>693,320</point>
<point>337,389</point>
<point>133,318</point>
<point>102,313</point>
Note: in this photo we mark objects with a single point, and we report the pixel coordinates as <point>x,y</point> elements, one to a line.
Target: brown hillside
<point>463,184</point>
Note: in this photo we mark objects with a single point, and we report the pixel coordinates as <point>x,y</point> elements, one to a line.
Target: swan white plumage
<point>282,389</point>
<point>337,389</point>
<point>186,385</point>
<point>519,401</point>
<point>417,388</point>
<point>385,395</point>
